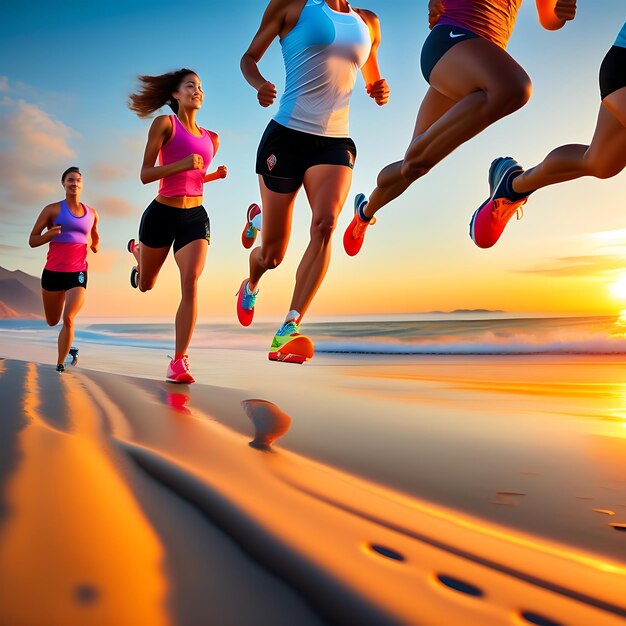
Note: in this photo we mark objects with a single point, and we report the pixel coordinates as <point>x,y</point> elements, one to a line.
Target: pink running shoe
<point>492,216</point>
<point>245,303</point>
<point>178,371</point>
<point>355,233</point>
<point>248,236</point>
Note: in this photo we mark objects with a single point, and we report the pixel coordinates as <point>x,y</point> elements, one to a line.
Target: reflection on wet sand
<point>344,549</point>
<point>270,423</point>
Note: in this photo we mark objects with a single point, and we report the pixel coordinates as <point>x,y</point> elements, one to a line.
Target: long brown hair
<point>155,91</point>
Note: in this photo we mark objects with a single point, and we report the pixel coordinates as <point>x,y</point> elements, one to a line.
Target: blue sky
<point>65,74</point>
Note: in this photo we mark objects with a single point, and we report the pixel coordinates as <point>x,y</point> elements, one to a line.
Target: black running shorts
<point>63,281</point>
<point>162,225</point>
<point>284,155</point>
<point>613,71</point>
<point>438,42</point>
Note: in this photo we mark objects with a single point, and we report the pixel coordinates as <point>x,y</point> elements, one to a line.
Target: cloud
<point>33,152</point>
<point>591,266</point>
<point>116,207</point>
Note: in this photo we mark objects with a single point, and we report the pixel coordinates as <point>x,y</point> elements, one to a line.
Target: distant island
<point>469,311</point>
<point>20,295</point>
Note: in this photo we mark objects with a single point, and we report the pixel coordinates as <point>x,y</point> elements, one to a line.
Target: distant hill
<point>20,295</point>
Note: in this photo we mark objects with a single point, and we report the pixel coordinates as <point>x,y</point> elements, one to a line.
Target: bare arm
<point>95,235</point>
<point>45,221</point>
<point>375,86</point>
<point>159,133</point>
<point>435,11</point>
<point>554,13</point>
<point>272,26</point>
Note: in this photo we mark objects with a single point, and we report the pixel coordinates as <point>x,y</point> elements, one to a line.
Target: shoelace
<point>505,208</point>
<point>249,299</point>
<point>289,328</point>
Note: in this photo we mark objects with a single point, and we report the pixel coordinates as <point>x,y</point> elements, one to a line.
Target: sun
<point>618,288</point>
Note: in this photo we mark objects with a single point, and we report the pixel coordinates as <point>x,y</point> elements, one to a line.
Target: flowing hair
<point>156,91</point>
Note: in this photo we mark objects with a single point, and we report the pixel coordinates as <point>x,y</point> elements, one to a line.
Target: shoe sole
<point>295,351</point>
<point>495,188</point>
<point>179,382</point>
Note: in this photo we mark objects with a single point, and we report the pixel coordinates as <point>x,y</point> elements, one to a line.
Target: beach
<point>395,487</point>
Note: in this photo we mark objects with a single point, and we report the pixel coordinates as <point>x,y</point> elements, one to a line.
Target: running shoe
<point>178,371</point>
<point>74,355</point>
<point>490,219</point>
<point>290,346</point>
<point>355,233</point>
<point>245,304</point>
<point>248,236</point>
<point>60,367</point>
<point>132,246</point>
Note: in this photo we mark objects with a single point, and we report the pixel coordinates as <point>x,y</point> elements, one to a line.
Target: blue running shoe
<point>490,219</point>
<point>245,303</point>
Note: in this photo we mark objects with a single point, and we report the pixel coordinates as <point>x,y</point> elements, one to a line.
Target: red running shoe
<point>245,304</point>
<point>355,233</point>
<point>491,218</point>
<point>178,371</point>
<point>248,236</point>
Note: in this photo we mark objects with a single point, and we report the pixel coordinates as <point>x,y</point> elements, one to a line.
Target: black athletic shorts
<point>161,225</point>
<point>284,155</point>
<point>613,71</point>
<point>62,281</point>
<point>438,42</point>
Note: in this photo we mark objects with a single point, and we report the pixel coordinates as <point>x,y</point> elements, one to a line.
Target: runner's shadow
<point>270,423</point>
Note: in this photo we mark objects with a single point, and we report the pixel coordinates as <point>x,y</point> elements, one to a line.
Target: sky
<point>66,70</point>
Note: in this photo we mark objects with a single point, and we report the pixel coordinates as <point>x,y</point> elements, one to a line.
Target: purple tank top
<point>492,20</point>
<point>73,229</point>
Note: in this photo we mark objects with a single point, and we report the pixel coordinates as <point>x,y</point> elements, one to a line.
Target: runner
<point>70,226</point>
<point>176,217</point>
<point>473,83</point>
<point>306,143</point>
<point>603,158</point>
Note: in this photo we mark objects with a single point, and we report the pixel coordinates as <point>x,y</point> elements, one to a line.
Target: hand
<point>222,171</point>
<point>94,247</point>
<point>435,11</point>
<point>379,91</point>
<point>54,231</point>
<point>565,9</point>
<point>193,162</point>
<point>266,94</point>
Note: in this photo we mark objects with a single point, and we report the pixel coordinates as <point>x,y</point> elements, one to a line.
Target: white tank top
<point>322,53</point>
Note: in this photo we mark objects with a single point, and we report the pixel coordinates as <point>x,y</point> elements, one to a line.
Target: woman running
<point>603,158</point>
<point>324,43</point>
<point>473,82</point>
<point>70,226</point>
<point>176,217</point>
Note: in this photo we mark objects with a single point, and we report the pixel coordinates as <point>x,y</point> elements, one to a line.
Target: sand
<point>450,490</point>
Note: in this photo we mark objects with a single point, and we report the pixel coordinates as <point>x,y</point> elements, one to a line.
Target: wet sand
<point>450,490</point>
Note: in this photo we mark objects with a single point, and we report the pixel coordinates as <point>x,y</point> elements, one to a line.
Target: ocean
<point>419,334</point>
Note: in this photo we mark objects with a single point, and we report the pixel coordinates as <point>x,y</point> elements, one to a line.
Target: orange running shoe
<point>289,346</point>
<point>355,233</point>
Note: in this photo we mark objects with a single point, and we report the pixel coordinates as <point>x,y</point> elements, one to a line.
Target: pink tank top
<point>492,20</point>
<point>68,250</point>
<point>180,145</point>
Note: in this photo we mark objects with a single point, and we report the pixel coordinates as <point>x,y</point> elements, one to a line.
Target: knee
<point>414,167</point>
<point>68,321</point>
<point>606,170</point>
<point>510,96</point>
<point>145,285</point>
<point>323,228</point>
<point>52,321</point>
<point>270,260</point>
<point>189,286</point>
